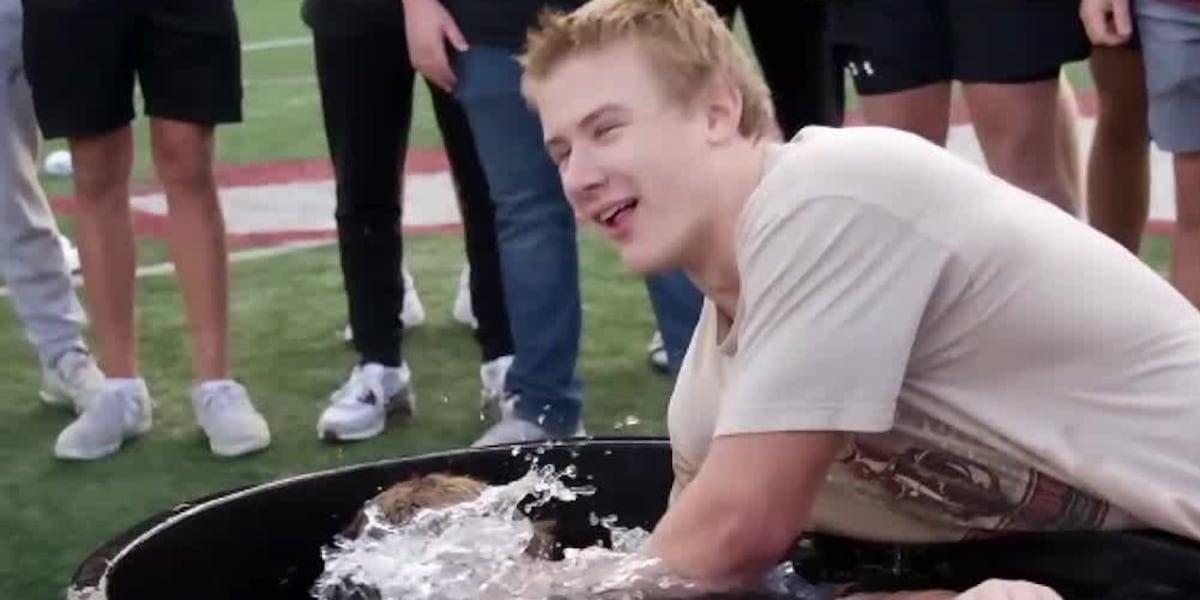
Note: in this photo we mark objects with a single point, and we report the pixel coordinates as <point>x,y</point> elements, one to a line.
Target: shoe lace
<point>73,368</point>
<point>356,390</point>
<point>221,399</point>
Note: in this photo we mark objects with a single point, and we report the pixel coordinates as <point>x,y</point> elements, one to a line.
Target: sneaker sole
<point>106,451</point>
<point>66,454</point>
<point>242,449</point>
<point>58,401</point>
<point>405,409</point>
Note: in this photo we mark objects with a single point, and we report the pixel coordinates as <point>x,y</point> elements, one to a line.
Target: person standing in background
<point>32,263</point>
<point>187,59</point>
<point>366,83</point>
<point>468,47</point>
<point>1169,34</point>
<point>904,55</point>
<point>791,42</point>
<point>1118,184</point>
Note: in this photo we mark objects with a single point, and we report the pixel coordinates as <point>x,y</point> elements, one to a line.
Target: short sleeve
<point>833,290</point>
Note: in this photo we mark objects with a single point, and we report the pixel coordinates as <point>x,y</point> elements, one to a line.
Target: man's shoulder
<point>869,150</point>
<point>859,166</point>
<point>879,170</point>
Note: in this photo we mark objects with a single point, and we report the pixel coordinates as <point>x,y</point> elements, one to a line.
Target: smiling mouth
<point>612,216</point>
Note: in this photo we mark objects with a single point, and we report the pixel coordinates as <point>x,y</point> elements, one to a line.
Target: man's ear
<point>722,106</point>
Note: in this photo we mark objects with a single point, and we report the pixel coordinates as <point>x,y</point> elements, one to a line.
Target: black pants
<point>366,86</point>
<point>791,42</point>
<point>1079,565</point>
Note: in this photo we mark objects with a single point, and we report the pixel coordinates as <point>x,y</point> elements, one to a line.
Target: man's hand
<point>998,589</point>
<point>749,502</point>
<point>1108,22</point>
<point>428,27</point>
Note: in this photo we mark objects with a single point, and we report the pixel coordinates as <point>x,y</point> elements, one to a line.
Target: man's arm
<point>753,498</point>
<point>749,502</point>
<point>428,27</point>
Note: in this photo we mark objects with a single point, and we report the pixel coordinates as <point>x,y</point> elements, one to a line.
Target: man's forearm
<point>705,541</point>
<point>748,503</point>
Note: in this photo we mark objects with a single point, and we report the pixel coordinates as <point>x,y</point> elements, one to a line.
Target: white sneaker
<point>412,314</point>
<point>225,413</point>
<point>114,414</point>
<point>70,254</point>
<point>463,311</point>
<point>657,353</point>
<point>511,429</point>
<point>359,409</point>
<point>71,381</point>
<point>492,375</point>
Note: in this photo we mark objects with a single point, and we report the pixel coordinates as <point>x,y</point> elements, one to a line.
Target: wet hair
<point>687,44</point>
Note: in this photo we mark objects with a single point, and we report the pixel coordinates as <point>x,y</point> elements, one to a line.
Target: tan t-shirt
<point>1003,366</point>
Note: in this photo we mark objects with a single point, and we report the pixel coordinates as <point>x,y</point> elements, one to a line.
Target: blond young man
<point>896,347</point>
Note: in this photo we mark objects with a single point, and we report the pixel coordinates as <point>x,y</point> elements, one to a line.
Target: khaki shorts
<point>1170,37</point>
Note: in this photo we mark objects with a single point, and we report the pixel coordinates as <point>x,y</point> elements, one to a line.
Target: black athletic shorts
<point>81,57</point>
<point>895,45</point>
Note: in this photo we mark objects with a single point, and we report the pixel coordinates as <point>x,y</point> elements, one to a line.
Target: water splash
<point>476,550</point>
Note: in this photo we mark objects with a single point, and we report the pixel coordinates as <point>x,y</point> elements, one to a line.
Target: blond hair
<point>686,42</point>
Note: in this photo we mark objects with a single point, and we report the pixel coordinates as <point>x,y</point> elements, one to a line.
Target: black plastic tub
<point>264,542</point>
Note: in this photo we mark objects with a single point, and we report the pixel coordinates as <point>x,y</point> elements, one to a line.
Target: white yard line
<point>277,43</point>
<point>244,255</point>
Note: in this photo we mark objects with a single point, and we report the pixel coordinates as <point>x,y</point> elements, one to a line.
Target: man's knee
<point>101,165</point>
<point>182,154</point>
<point>1187,186</point>
<point>1025,158</point>
<point>533,209</point>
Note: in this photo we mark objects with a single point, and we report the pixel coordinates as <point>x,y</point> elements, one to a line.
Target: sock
<point>204,387</point>
<point>129,385</point>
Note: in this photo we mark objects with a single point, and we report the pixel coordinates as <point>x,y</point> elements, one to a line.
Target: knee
<point>1021,152</point>
<point>101,173</point>
<point>533,209</point>
<point>1029,169</point>
<point>98,188</point>
<point>183,159</point>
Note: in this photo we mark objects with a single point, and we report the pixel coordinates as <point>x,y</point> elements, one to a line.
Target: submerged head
<point>644,104</point>
<point>400,502</point>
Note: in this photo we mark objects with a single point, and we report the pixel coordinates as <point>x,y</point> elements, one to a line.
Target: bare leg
<point>1017,125</point>
<point>102,165</point>
<point>1067,140</point>
<point>1119,164</point>
<point>183,156</point>
<point>1185,265</point>
<point>924,111</point>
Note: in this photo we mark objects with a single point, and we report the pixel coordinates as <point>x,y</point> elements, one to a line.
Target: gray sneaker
<point>113,415</point>
<point>511,429</point>
<point>229,419</point>
<point>71,380</point>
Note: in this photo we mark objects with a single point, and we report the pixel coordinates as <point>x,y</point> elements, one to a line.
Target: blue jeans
<point>539,262</point>
<point>538,253</point>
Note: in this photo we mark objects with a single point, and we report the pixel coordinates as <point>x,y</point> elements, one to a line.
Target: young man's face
<point>630,158</point>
